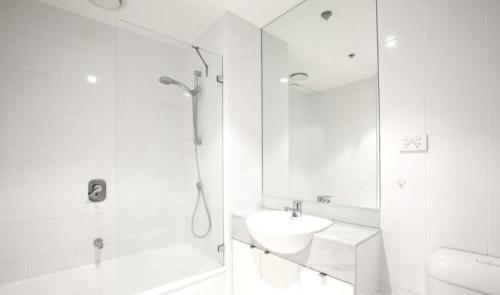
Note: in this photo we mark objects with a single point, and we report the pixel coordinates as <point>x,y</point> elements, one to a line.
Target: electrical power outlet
<point>414,144</point>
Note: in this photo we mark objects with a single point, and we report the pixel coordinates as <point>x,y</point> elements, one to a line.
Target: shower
<point>193,93</point>
<point>169,81</point>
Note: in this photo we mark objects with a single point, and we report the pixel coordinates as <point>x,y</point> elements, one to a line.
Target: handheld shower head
<point>170,81</point>
<point>166,80</point>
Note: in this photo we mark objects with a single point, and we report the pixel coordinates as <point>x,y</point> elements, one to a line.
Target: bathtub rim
<point>184,283</point>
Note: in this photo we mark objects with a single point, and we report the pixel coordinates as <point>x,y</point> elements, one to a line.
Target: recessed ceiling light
<point>326,15</point>
<point>299,76</point>
<point>108,4</point>
<point>92,79</point>
<point>284,80</point>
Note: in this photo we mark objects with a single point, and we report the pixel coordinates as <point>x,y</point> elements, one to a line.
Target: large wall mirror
<point>320,104</point>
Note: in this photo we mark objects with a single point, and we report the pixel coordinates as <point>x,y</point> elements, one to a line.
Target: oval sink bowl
<point>279,232</point>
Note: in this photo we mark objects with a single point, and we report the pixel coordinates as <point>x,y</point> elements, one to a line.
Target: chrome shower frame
<point>197,142</point>
<point>194,94</point>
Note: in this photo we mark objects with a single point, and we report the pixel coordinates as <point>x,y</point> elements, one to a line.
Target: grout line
<point>488,155</point>
<point>426,128</point>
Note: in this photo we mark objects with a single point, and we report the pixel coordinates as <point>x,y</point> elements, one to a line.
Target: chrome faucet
<point>296,208</point>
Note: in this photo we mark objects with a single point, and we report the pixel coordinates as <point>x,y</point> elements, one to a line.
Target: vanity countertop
<point>347,233</point>
<point>332,251</point>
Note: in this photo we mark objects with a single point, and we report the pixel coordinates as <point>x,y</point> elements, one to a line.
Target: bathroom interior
<point>240,147</point>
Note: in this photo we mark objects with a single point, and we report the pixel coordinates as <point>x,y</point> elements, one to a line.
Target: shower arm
<point>197,48</point>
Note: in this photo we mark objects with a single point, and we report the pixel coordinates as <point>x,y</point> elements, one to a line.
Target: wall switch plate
<point>414,144</point>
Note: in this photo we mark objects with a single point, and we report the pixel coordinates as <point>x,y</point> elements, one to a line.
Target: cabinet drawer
<point>246,269</point>
<point>311,282</point>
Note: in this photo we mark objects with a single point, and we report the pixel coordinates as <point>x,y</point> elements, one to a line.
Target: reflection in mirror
<point>320,103</point>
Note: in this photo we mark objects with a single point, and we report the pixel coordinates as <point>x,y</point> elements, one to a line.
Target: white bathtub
<point>152,273</point>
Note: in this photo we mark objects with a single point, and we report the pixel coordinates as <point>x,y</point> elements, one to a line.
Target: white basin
<point>279,232</point>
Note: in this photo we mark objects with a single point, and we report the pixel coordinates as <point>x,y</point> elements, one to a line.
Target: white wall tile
<point>47,264</point>
<point>45,93</point>
<point>401,171</point>
<point>132,225</point>
<point>401,74</point>
<point>12,51</point>
<point>493,92</point>
<point>106,226</point>
<point>13,90</point>
<point>75,198</point>
<point>454,37</point>
<point>494,152</point>
<point>12,165</point>
<point>457,103</point>
<point>49,50</point>
<point>13,127</point>
<point>79,232</point>
<point>494,226</point>
<point>449,169</point>
<point>13,271</point>
<point>42,200</point>
<point>404,215</point>
<point>80,257</point>
<point>243,114</point>
<point>58,131</point>
<point>11,15</point>
<point>492,57</point>
<point>10,211</point>
<point>399,19</point>
<point>406,264</point>
<point>40,18</point>
<point>13,242</point>
<point>457,61</point>
<point>458,220</point>
<point>45,237</point>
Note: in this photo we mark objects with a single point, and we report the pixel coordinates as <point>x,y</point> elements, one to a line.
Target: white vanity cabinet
<point>278,276</point>
<point>246,269</point>
<point>258,273</point>
<point>312,282</point>
<point>349,254</point>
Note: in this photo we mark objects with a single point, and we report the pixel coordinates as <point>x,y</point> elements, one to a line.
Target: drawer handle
<point>322,275</point>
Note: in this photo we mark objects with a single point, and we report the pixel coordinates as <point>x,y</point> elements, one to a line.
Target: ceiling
<point>184,20</point>
<point>321,48</point>
<point>351,29</point>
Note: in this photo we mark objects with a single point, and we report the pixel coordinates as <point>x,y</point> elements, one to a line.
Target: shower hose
<point>199,185</point>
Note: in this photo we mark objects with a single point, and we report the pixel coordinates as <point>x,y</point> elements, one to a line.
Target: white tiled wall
<point>440,76</point>
<point>151,133</point>
<point>58,131</point>
<point>239,42</point>
<point>243,115</point>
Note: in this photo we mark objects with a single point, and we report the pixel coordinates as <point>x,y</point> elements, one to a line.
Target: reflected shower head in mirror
<point>170,81</point>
